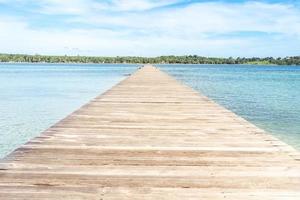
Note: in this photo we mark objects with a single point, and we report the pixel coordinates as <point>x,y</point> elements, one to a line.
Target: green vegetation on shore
<point>191,59</point>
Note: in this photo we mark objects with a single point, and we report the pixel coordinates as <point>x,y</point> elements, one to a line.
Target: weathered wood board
<point>151,137</point>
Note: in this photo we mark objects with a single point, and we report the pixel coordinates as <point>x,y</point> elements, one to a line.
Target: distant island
<point>189,59</point>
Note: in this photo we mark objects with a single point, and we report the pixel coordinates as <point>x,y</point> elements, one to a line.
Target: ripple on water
<point>268,96</point>
<point>34,96</point>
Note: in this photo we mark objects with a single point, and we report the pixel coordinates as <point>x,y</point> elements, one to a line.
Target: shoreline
<point>164,59</point>
<point>91,63</point>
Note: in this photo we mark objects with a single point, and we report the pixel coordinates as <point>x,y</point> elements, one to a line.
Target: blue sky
<point>150,27</point>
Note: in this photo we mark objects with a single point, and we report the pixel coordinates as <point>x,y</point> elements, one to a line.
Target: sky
<point>223,28</point>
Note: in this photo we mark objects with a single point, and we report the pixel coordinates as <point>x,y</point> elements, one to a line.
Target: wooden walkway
<point>151,137</point>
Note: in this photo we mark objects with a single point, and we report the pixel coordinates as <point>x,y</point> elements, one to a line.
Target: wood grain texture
<point>151,137</point>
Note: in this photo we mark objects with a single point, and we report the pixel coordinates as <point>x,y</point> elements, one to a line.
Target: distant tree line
<point>190,59</point>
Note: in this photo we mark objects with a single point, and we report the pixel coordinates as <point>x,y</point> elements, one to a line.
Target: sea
<point>35,96</point>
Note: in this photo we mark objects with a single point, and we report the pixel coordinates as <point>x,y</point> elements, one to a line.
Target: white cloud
<point>198,28</point>
<point>64,6</point>
<point>78,7</point>
<point>136,5</point>
<point>206,17</point>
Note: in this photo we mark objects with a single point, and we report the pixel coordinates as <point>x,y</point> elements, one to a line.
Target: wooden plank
<point>151,137</point>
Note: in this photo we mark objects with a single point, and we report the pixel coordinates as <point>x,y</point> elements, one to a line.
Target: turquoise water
<point>35,96</point>
<point>268,96</point>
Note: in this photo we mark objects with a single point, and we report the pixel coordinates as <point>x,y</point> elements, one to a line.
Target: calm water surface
<point>35,96</point>
<point>268,96</point>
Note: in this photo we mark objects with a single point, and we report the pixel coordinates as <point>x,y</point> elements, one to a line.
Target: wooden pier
<point>151,137</point>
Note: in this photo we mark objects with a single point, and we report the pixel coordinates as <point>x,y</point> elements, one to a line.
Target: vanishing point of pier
<point>151,137</point>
